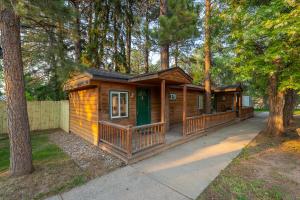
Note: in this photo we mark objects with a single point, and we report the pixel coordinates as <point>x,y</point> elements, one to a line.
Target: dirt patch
<point>268,168</point>
<point>88,157</point>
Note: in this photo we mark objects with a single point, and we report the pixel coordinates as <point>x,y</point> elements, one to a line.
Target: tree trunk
<point>146,45</point>
<point>105,27</point>
<point>53,64</point>
<point>275,125</point>
<point>128,50</point>
<point>289,106</point>
<point>207,52</point>
<point>164,50</point>
<point>78,33</point>
<point>146,50</point>
<point>176,55</point>
<point>18,126</point>
<point>129,23</point>
<point>116,36</point>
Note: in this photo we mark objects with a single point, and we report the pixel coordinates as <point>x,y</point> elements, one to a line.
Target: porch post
<point>163,101</point>
<point>234,102</point>
<point>184,110</point>
<point>240,103</point>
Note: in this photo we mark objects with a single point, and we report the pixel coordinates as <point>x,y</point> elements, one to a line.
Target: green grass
<point>241,188</point>
<point>4,153</point>
<point>261,110</point>
<point>55,170</point>
<point>297,112</point>
<point>42,150</point>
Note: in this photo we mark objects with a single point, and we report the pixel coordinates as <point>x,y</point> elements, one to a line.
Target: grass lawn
<point>261,110</point>
<point>268,168</point>
<point>54,171</point>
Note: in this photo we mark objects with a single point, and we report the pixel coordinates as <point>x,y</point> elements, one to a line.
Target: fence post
<point>129,141</point>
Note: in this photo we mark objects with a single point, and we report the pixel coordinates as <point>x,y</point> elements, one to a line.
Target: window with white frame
<point>200,102</point>
<point>118,104</point>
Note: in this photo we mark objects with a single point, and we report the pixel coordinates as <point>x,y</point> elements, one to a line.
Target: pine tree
<point>177,27</point>
<point>18,125</point>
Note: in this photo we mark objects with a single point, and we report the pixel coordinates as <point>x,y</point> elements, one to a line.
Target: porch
<point>168,112</point>
<point>133,143</point>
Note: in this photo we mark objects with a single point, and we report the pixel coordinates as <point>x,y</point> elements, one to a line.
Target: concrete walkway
<point>179,173</point>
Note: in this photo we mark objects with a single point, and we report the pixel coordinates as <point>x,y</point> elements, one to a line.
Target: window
<point>173,96</point>
<point>200,102</point>
<point>118,104</point>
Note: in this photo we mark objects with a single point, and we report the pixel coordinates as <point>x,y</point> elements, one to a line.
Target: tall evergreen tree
<point>164,49</point>
<point>178,26</point>
<point>18,125</point>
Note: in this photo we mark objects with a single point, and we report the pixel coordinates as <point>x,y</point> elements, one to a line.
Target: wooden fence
<point>42,115</point>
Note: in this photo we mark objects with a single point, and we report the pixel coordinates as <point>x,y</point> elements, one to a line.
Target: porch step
<point>163,147</point>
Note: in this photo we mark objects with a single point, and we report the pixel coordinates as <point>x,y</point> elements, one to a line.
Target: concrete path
<point>182,172</point>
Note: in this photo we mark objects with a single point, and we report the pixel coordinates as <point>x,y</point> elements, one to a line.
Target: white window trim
<point>119,104</point>
<point>198,102</point>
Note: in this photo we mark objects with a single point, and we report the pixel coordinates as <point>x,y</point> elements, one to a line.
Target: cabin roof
<point>173,76</point>
<point>228,88</point>
<point>159,74</point>
<point>190,86</point>
<point>101,73</point>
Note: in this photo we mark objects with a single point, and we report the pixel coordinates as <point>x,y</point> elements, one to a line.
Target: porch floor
<point>174,133</point>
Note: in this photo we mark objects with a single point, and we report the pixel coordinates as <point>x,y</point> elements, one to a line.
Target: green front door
<point>143,111</point>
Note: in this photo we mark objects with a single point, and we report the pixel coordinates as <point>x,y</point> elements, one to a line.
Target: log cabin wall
<point>155,104</point>
<point>104,108</point>
<point>84,113</point>
<point>176,106</point>
<point>224,101</point>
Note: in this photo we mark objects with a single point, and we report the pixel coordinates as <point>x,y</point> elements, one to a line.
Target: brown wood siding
<point>84,114</point>
<point>105,88</point>
<point>224,101</point>
<point>176,106</point>
<point>155,105</point>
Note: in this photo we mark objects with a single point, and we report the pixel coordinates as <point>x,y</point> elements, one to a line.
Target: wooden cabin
<point>126,114</point>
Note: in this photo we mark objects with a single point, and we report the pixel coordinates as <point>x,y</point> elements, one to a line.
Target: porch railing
<point>131,139</point>
<point>199,123</point>
<point>247,112</point>
<point>194,124</point>
<point>146,136</point>
<point>219,118</point>
<point>116,136</point>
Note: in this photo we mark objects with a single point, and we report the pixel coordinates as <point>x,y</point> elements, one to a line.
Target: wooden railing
<point>199,123</point>
<point>146,136</point>
<point>246,112</point>
<point>116,136</point>
<point>219,118</point>
<point>131,139</point>
<point>194,124</point>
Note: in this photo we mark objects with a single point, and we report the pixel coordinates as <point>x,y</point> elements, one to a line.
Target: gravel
<point>86,155</point>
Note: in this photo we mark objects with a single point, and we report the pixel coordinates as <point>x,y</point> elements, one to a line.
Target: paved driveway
<point>182,172</point>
